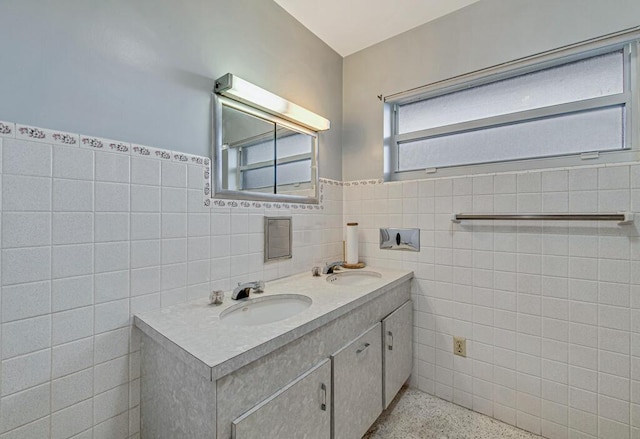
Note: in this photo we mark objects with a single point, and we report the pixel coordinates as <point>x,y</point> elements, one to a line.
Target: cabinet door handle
<point>323,397</point>
<point>363,348</point>
<point>390,334</point>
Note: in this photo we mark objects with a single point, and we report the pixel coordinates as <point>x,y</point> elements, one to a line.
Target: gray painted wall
<point>142,71</point>
<point>481,35</point>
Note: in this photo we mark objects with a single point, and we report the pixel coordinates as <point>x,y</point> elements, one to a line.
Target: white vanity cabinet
<point>302,409</point>
<point>201,378</point>
<point>397,351</point>
<point>357,384</point>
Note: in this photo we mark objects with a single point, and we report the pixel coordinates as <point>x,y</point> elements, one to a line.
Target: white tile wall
<point>549,310</point>
<point>89,236</point>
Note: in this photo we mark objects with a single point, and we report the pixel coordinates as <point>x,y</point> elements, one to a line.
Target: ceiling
<point>352,25</point>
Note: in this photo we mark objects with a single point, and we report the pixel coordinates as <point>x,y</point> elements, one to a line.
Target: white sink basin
<point>267,309</point>
<point>354,278</point>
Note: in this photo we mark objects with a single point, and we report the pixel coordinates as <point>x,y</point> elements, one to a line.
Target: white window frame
<point>628,41</point>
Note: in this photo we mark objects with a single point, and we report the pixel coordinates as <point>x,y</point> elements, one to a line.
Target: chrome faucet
<point>242,290</point>
<point>329,267</point>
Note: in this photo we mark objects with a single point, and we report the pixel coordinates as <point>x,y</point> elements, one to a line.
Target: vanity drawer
<point>357,384</point>
<point>302,409</point>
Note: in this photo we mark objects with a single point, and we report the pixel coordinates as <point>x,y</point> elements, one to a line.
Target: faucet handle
<point>259,288</point>
<point>216,297</point>
<point>330,266</point>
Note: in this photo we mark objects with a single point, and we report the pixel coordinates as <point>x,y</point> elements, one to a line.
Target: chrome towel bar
<point>620,217</point>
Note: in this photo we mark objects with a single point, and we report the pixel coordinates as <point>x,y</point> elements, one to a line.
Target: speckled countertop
<point>194,332</point>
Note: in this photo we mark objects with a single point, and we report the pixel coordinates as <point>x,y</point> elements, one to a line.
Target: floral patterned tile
<point>190,159</point>
<point>32,133</point>
<point>151,152</point>
<point>68,139</point>
<point>44,135</point>
<point>224,203</point>
<point>177,156</point>
<point>242,204</point>
<point>7,129</point>
<point>198,160</point>
<point>101,144</point>
<point>330,181</point>
<point>363,182</point>
<point>206,174</point>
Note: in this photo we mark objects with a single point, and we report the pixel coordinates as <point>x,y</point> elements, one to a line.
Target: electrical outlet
<point>460,346</point>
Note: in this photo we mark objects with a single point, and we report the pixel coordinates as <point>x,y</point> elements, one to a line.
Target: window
<point>575,103</point>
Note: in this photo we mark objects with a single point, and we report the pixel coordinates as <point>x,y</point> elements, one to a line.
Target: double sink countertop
<point>194,332</point>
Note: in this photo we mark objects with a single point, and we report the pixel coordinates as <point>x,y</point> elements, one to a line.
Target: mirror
<point>248,148</point>
<point>259,156</point>
<point>293,162</point>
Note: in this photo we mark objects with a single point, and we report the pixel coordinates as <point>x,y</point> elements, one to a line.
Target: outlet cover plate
<point>460,346</point>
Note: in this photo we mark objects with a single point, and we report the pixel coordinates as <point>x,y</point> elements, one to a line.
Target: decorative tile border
<point>206,188</point>
<point>43,135</point>
<point>206,173</point>
<point>65,139</point>
<point>54,137</point>
<point>109,145</point>
<point>120,147</point>
<point>150,152</point>
<point>197,160</point>
<point>91,142</point>
<point>179,157</point>
<point>352,183</point>
<point>7,129</point>
<point>242,204</point>
<point>363,182</point>
<point>330,182</point>
<point>191,159</point>
<point>35,134</point>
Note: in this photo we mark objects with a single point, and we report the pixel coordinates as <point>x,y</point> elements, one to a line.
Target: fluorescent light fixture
<point>240,90</point>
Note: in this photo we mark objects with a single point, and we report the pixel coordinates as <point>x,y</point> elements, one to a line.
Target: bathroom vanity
<point>326,369</point>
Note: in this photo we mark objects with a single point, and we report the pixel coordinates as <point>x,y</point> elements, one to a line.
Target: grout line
<point>50,421</point>
<point>93,285</point>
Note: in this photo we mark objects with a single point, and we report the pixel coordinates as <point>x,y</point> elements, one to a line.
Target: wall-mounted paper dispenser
<point>400,239</point>
<point>278,238</point>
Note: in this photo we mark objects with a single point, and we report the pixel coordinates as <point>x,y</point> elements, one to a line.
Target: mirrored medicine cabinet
<point>263,146</point>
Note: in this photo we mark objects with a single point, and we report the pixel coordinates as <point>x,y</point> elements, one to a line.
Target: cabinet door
<point>357,385</point>
<point>397,333</point>
<point>300,410</point>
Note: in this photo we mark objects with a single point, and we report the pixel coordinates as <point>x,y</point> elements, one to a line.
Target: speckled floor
<point>417,415</point>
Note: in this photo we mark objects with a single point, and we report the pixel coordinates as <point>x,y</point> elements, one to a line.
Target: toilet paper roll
<point>352,243</point>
